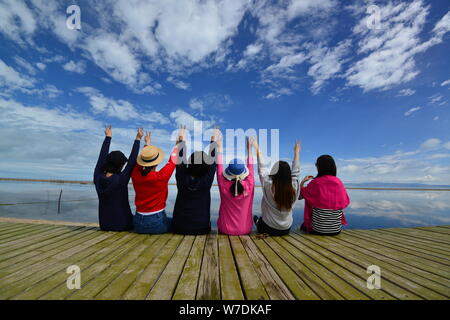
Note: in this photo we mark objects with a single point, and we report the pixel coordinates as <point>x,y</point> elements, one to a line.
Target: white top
<point>271,215</point>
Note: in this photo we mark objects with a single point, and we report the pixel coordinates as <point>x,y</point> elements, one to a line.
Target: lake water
<point>368,208</point>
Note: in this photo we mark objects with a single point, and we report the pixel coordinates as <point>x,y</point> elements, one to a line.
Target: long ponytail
<point>284,192</point>
<point>236,188</point>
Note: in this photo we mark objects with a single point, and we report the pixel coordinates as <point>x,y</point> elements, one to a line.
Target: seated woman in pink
<point>325,198</point>
<point>236,187</point>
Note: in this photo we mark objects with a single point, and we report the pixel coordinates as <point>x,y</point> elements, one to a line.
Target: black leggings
<point>264,228</point>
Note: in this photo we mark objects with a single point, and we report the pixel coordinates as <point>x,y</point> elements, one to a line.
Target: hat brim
<point>153,163</point>
<point>231,176</point>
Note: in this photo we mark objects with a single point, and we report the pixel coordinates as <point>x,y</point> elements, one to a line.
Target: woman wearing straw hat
<point>111,184</point>
<point>236,188</point>
<point>151,189</point>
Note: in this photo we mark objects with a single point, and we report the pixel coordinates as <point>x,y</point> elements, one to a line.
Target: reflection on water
<point>368,209</point>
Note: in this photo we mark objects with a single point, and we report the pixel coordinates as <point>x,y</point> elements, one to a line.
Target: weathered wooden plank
<point>421,234</point>
<point>17,282</point>
<point>187,285</point>
<point>407,243</point>
<point>167,282</point>
<point>91,267</point>
<point>93,288</point>
<point>123,281</point>
<point>395,275</point>
<point>415,237</point>
<point>98,252</point>
<point>387,288</point>
<point>140,288</point>
<point>209,281</point>
<point>438,229</point>
<point>394,254</point>
<point>439,262</point>
<point>424,242</point>
<point>39,239</point>
<point>337,283</point>
<point>20,261</point>
<point>230,284</point>
<point>250,282</point>
<point>438,283</point>
<point>274,285</point>
<point>296,285</point>
<point>21,232</point>
<point>5,229</point>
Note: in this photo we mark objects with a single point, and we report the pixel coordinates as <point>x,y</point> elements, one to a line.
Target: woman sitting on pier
<point>151,189</point>
<point>111,184</point>
<point>236,188</point>
<point>281,189</point>
<point>325,198</point>
<point>191,214</point>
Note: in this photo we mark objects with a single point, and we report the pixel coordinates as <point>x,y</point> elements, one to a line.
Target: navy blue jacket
<point>114,212</point>
<point>191,214</point>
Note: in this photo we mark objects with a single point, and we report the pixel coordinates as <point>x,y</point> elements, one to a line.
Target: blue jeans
<point>152,224</point>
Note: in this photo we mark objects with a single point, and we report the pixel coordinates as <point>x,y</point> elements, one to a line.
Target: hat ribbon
<point>150,160</point>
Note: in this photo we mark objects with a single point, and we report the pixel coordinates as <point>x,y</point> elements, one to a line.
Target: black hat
<point>115,161</point>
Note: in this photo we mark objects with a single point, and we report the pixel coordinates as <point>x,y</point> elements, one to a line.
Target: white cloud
<point>41,66</point>
<point>429,144</point>
<point>119,108</point>
<point>390,51</point>
<point>445,83</point>
<point>25,65</point>
<point>17,21</point>
<point>326,63</point>
<point>411,111</point>
<point>447,145</point>
<point>306,7</point>
<point>10,79</point>
<point>196,104</point>
<point>435,98</point>
<point>406,92</point>
<point>78,67</point>
<point>178,83</point>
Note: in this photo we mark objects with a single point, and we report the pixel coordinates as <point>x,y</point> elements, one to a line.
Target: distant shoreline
<point>349,188</point>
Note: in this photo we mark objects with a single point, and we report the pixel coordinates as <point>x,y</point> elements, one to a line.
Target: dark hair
<point>240,188</point>
<point>114,162</point>
<point>325,166</point>
<point>284,192</point>
<point>146,170</point>
<point>197,166</point>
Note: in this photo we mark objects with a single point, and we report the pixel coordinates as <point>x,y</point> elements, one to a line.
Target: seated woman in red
<point>325,198</point>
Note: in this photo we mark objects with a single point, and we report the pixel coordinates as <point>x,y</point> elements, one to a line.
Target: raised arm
<point>220,177</point>
<point>166,172</point>
<point>126,173</point>
<point>103,152</point>
<point>249,142</point>
<point>296,161</point>
<point>262,166</point>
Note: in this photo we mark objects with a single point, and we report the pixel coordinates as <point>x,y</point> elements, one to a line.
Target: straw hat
<point>150,156</point>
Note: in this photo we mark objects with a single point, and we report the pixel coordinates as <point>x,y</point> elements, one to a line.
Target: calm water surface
<point>368,208</point>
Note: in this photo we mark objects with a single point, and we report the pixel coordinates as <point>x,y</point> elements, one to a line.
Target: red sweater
<point>152,189</point>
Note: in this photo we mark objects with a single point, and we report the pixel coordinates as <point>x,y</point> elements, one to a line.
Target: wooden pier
<point>414,264</point>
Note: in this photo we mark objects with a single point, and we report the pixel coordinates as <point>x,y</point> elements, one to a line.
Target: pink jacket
<point>325,192</point>
<point>235,213</point>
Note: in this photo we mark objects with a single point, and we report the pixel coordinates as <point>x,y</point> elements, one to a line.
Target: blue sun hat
<point>236,170</point>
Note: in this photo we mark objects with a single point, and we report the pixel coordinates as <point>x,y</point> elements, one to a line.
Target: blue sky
<point>374,93</point>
